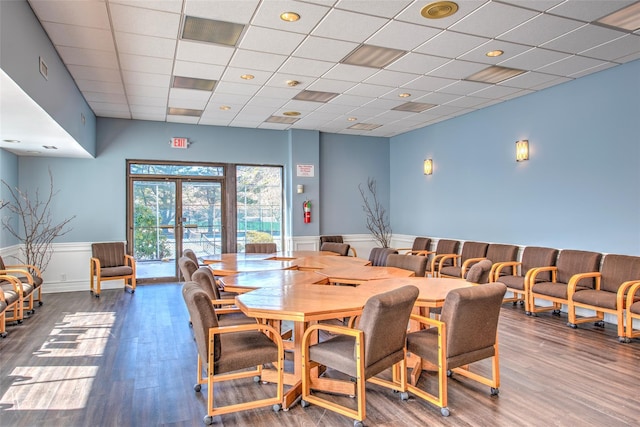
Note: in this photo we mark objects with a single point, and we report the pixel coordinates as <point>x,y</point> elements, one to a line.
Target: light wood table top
<point>433,291</point>
<point>244,282</point>
<point>359,274</point>
<point>320,262</point>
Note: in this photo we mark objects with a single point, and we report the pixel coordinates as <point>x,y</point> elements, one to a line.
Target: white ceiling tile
<point>335,108</point>
<point>602,66</point>
<point>263,101</point>
<point>540,30</point>
<point>556,81</point>
<point>386,9</point>
<point>146,79</point>
<point>145,64</point>
<point>107,106</point>
<point>146,100</point>
<point>437,98</point>
<point>95,73</point>
<point>88,57</point>
<point>464,87</point>
<point>236,11</point>
<point>390,78</point>
<point>572,65</point>
<point>112,98</point>
<point>417,63</point>
<point>323,49</point>
<point>190,103</point>
<point>467,102</point>
<point>77,36</point>
<point>479,54</point>
<point>528,80</point>
<point>269,40</point>
<point>249,59</point>
<point>348,26</point>
<point>493,19</point>
<point>137,44</point>
<point>540,5</point>
<point>255,112</point>
<point>394,35</point>
<point>385,104</point>
<point>351,73</point>
<point>305,67</point>
<point>369,90</point>
<point>111,113</point>
<point>198,70</point>
<point>533,59</point>
<point>269,15</point>
<point>280,80</point>
<point>284,93</point>
<point>236,88</point>
<point>174,6</point>
<point>149,110</point>
<point>232,75</point>
<point>228,99</point>
<point>301,106</point>
<point>618,48</point>
<point>201,96</point>
<point>351,100</point>
<point>149,117</point>
<point>413,95</point>
<point>144,21</point>
<point>495,92</point>
<point>429,83</point>
<point>97,86</point>
<point>203,52</point>
<point>450,44</point>
<point>183,119</point>
<point>457,69</point>
<point>583,38</point>
<point>329,85</point>
<point>87,14</point>
<point>148,91</point>
<point>589,10</point>
<point>412,13</point>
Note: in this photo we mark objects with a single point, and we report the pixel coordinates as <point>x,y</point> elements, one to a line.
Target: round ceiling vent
<point>439,10</point>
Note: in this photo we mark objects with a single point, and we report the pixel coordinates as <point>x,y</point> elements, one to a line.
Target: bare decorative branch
<point>36,230</point>
<point>377,219</point>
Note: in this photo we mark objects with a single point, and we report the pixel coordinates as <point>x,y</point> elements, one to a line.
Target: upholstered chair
<point>617,274</point>
<point>421,246</point>
<point>29,274</point>
<point>417,264</point>
<point>378,256</point>
<point>187,267</point>
<point>260,248</point>
<point>480,272</point>
<point>466,333</point>
<point>228,313</point>
<point>376,344</point>
<point>471,253</point>
<point>566,273</point>
<point>332,238</point>
<point>339,248</point>
<point>109,261</point>
<point>13,291</point>
<point>444,248</point>
<point>189,253</point>
<point>226,352</point>
<point>515,274</point>
<point>632,312</point>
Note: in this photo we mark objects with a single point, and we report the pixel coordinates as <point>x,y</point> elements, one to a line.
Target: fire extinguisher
<point>306,207</point>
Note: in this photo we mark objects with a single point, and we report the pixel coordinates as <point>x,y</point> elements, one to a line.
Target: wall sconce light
<point>522,150</point>
<point>428,167</point>
<point>300,188</point>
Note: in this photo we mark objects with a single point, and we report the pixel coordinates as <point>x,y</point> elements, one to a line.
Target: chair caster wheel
<point>276,407</point>
<point>515,303</point>
<point>445,412</point>
<point>3,335</point>
<point>358,424</point>
<point>197,388</point>
<point>40,303</point>
<point>20,322</point>
<point>624,340</point>
<point>404,396</point>
<point>208,420</point>
<point>521,302</point>
<point>495,391</point>
<point>572,325</point>
<point>449,373</point>
<point>556,313</point>
<point>304,403</point>
<point>256,379</point>
<point>528,313</point>
<point>599,324</point>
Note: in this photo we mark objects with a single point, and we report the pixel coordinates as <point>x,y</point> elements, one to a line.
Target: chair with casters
<point>189,253</point>
<point>109,261</point>
<point>515,274</point>
<point>417,264</point>
<point>421,246</point>
<point>332,239</point>
<point>339,248</point>
<point>378,343</point>
<point>465,333</point>
<point>260,248</point>
<point>187,267</point>
<point>632,312</point>
<point>443,248</point>
<point>226,352</point>
<point>228,313</point>
<point>13,291</point>
<point>26,273</point>
<point>378,256</point>
<point>567,273</point>
<point>480,272</point>
<point>617,274</point>
<point>471,253</point>
<point>3,309</point>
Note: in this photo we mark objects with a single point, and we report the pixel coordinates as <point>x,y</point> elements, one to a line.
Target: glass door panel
<point>202,218</point>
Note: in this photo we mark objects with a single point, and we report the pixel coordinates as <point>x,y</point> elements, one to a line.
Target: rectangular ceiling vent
<point>414,107</point>
<point>315,96</point>
<point>173,111</point>
<point>626,19</point>
<point>372,56</point>
<point>364,126</point>
<point>211,31</point>
<point>494,74</point>
<point>282,120</point>
<point>193,83</point>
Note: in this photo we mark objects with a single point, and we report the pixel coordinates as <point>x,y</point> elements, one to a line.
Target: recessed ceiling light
<point>289,16</point>
<point>364,126</point>
<point>173,111</point>
<point>292,83</point>
<point>12,141</point>
<point>225,107</point>
<point>193,83</point>
<point>291,113</point>
<point>352,119</point>
<point>372,56</point>
<point>315,96</point>
<point>494,53</point>
<point>414,107</point>
<point>404,95</point>
<point>282,120</point>
<point>211,31</point>
<point>247,76</point>
<point>627,18</point>
<point>494,74</point>
<point>439,10</point>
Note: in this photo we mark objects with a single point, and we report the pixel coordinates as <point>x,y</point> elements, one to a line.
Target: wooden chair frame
<point>631,299</point>
<point>26,270</point>
<point>17,308</point>
<point>211,378</point>
<point>519,295</point>
<point>435,264</point>
<point>398,382</point>
<point>129,280</point>
<point>456,260</point>
<point>441,399</point>
<point>599,315</point>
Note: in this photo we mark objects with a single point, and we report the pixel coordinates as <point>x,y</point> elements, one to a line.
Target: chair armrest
<point>355,254</point>
<point>269,330</point>
<point>441,258</point>
<point>469,262</point>
<point>427,320</point>
<point>334,329</point>
<point>29,267</point>
<point>633,289</point>
<point>499,266</point>
<point>19,271</point>
<point>129,260</point>
<point>576,278</point>
<point>17,284</point>
<point>531,274</point>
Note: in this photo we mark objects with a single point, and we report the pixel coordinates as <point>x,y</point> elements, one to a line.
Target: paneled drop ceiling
<point>125,56</point>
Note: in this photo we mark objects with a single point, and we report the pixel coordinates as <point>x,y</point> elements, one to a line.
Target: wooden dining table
<point>249,281</point>
<point>232,263</point>
<point>359,274</point>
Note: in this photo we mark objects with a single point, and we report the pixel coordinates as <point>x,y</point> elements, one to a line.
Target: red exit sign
<point>179,142</point>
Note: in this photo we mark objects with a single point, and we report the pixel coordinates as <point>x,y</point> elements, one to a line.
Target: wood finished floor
<point>129,360</point>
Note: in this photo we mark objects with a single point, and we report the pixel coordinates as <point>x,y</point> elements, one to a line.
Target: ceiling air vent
<point>315,96</point>
<point>282,120</point>
<point>372,56</point>
<point>364,126</point>
<point>211,31</point>
<point>413,107</point>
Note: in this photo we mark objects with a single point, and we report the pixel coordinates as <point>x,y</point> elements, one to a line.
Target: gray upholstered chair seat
<point>123,270</point>
<point>556,290</point>
<point>513,282</point>
<point>635,308</point>
<point>597,298</point>
<point>451,271</point>
<point>250,349</point>
<point>10,295</point>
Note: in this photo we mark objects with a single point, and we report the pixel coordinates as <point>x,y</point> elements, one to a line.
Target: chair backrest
<point>260,248</point>
<point>417,264</point>
<point>617,269</point>
<point>189,253</point>
<point>378,256</point>
<point>479,272</point>
<point>502,253</point>
<point>473,250</point>
<point>339,248</point>
<point>204,277</point>
<point>446,246</point>
<point>572,262</point>
<point>110,254</point>
<point>187,267</point>
<point>535,256</point>
<point>2,264</point>
<point>471,315</point>
<point>332,239</point>
<point>384,322</point>
<point>421,244</point>
<point>203,317</point>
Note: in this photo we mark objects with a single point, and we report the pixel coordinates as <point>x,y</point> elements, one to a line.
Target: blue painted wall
<point>9,176</point>
<point>579,190</point>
